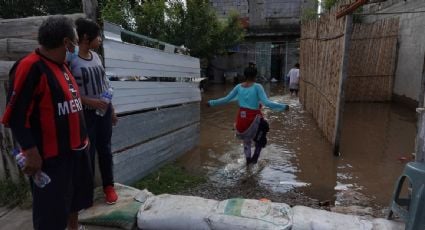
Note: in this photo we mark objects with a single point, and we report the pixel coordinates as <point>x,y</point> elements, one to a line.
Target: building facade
<point>272,37</point>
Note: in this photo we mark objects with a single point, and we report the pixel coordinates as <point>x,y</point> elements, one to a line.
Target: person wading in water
<point>250,123</point>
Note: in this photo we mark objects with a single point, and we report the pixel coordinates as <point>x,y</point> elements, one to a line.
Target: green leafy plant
<point>12,194</point>
<point>26,8</point>
<point>310,10</point>
<point>118,12</point>
<point>193,24</point>
<point>328,4</point>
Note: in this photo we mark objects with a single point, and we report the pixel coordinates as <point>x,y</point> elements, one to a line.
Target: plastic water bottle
<point>40,178</point>
<point>106,97</point>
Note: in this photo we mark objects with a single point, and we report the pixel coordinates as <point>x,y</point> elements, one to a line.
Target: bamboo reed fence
<point>321,61</point>
<point>370,66</point>
<point>372,61</point>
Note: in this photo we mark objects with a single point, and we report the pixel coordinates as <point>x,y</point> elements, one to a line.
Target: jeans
<point>247,151</point>
<point>100,134</point>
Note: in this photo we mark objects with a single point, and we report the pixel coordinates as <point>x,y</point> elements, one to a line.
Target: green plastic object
<point>412,208</point>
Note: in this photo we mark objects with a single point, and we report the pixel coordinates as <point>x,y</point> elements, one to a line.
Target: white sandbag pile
<point>174,212</point>
<point>186,213</point>
<point>312,219</point>
<point>242,214</point>
<point>165,212</point>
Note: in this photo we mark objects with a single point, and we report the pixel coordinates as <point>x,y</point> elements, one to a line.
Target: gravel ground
<point>246,190</point>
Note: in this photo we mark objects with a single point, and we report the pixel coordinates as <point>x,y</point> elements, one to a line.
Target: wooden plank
<point>3,143</point>
<point>420,136</point>
<point>2,164</point>
<point>25,28</point>
<point>90,8</point>
<point>341,94</point>
<point>8,167</point>
<point>117,67</point>
<point>130,72</point>
<point>5,68</point>
<point>135,163</point>
<point>150,91</point>
<point>138,128</point>
<point>350,9</point>
<point>137,96</point>
<point>3,93</point>
<point>164,97</point>
<point>15,48</point>
<point>5,148</point>
<point>114,32</point>
<point>123,59</point>
<point>152,104</point>
<point>131,52</point>
<point>143,85</point>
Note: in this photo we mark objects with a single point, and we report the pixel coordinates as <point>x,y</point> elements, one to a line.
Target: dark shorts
<point>70,190</point>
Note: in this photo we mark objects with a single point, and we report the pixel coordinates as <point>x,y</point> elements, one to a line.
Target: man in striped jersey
<point>45,114</point>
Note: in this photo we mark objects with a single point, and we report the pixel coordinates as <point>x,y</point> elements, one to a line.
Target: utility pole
<point>286,59</point>
<point>343,77</point>
<point>92,11</point>
<point>420,136</point>
<point>90,8</point>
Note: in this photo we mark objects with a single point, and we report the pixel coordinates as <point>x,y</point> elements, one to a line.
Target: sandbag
<point>306,218</point>
<point>175,213</point>
<point>120,215</point>
<point>242,214</point>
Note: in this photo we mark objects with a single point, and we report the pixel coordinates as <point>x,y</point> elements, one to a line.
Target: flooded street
<point>297,165</point>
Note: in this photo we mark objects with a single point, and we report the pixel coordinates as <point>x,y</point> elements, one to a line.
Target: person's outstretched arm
<point>265,101</point>
<point>226,99</point>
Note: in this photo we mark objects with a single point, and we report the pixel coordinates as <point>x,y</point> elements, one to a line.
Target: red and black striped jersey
<point>44,107</point>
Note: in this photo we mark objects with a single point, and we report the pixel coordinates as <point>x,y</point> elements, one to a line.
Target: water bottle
<point>40,178</point>
<point>106,97</point>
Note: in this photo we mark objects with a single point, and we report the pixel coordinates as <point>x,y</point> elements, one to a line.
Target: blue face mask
<point>71,55</point>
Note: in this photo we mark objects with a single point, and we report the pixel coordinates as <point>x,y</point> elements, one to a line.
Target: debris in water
<point>294,183</point>
<point>325,203</point>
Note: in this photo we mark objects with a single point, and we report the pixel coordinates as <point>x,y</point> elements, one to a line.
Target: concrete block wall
<point>237,62</point>
<point>408,76</point>
<point>224,7</point>
<point>270,21</point>
<point>232,63</point>
<point>283,8</point>
<point>260,11</point>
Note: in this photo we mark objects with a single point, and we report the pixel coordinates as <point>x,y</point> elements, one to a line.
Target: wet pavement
<point>297,166</point>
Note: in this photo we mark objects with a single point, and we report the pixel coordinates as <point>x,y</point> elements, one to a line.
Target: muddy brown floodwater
<point>297,165</point>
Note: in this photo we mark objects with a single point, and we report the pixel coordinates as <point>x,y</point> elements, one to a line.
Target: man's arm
<point>23,85</point>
